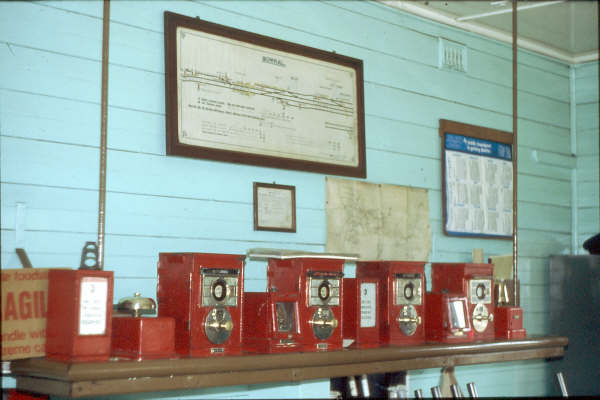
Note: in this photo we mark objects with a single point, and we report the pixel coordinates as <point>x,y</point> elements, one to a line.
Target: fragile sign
<point>24,308</point>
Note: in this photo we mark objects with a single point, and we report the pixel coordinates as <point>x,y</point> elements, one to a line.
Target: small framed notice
<point>274,207</point>
<point>477,174</point>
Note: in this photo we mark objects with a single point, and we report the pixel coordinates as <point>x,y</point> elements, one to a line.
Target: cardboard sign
<point>24,307</point>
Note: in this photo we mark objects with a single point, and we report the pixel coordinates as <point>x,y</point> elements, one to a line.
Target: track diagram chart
<point>237,96</point>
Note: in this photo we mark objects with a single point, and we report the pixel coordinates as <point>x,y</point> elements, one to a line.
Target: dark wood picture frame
<point>354,168</point>
<point>477,132</point>
<point>257,226</point>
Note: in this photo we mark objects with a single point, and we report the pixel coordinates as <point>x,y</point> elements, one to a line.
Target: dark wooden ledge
<point>115,377</point>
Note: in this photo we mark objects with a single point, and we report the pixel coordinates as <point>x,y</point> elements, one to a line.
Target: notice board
<point>477,180</point>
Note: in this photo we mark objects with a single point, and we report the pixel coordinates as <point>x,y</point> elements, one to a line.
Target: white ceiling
<point>567,30</point>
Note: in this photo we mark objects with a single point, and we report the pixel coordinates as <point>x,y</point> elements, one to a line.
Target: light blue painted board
<point>77,168</point>
<point>49,118</point>
<point>392,103</point>
<point>533,271</point>
<point>89,8</point>
<point>540,243</point>
<point>587,116</point>
<point>589,220</point>
<point>555,168</point>
<point>588,142</point>
<point>587,168</point>
<point>587,193</point>
<point>542,136</point>
<point>50,74</point>
<point>544,190</point>
<point>544,217</point>
<point>34,25</point>
<point>534,298</point>
<point>588,69</point>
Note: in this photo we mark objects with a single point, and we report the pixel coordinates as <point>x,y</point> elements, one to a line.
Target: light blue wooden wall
<point>50,116</point>
<point>586,90</point>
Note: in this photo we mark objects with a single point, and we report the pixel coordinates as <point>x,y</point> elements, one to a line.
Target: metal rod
<point>353,388</point>
<point>515,145</point>
<point>436,392</point>
<point>456,393</point>
<point>472,390</point>
<point>364,385</point>
<point>563,384</point>
<point>103,126</point>
<point>418,394</point>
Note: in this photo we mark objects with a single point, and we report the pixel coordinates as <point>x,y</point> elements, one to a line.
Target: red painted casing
<point>464,278</point>
<point>78,325</point>
<point>361,316</point>
<point>185,292</point>
<point>438,326</point>
<point>509,323</point>
<point>394,278</point>
<point>142,338</point>
<point>290,281</point>
<point>260,333</point>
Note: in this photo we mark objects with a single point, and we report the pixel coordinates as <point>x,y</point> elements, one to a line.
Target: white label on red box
<point>92,306</point>
<point>368,305</point>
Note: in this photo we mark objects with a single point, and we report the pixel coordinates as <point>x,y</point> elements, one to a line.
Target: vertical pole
<point>515,146</point>
<point>103,125</point>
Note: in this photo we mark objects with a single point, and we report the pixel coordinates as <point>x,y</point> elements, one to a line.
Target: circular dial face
<point>218,325</point>
<point>324,290</point>
<point>408,320</point>
<point>481,316</point>
<point>409,291</point>
<point>324,322</point>
<point>480,291</point>
<point>219,290</point>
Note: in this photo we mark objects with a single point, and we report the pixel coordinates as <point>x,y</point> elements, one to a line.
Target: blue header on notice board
<point>480,147</point>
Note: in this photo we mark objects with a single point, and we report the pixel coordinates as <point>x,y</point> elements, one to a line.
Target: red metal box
<point>79,315</point>
<point>509,323</point>
<point>309,289</point>
<point>203,293</point>
<point>402,304</point>
<point>143,338</point>
<point>448,319</point>
<point>476,282</point>
<point>270,326</point>
<point>361,317</point>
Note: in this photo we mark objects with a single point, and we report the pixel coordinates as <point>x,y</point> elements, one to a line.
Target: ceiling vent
<point>452,56</point>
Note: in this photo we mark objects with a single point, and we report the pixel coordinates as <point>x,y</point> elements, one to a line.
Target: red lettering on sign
<point>10,308</point>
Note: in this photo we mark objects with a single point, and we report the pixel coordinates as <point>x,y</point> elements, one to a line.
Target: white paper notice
<point>379,222</point>
<point>368,305</point>
<point>274,208</point>
<point>92,306</point>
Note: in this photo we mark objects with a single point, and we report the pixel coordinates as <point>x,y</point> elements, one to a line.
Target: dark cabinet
<point>575,312</point>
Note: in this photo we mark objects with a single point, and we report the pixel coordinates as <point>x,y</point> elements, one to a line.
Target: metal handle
<point>333,323</point>
<point>563,384</point>
<point>436,392</point>
<point>228,325</point>
<point>364,384</point>
<point>479,317</point>
<point>415,320</point>
<point>472,390</point>
<point>456,393</point>
<point>418,394</point>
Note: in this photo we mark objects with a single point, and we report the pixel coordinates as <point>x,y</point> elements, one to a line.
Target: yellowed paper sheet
<point>377,221</point>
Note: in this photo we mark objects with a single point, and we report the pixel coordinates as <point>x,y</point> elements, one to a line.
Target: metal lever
<point>333,323</point>
<point>563,384</point>
<point>416,320</point>
<point>436,392</point>
<point>478,317</point>
<point>472,390</point>
<point>418,394</point>
<point>217,325</point>
<point>456,393</point>
<point>364,384</point>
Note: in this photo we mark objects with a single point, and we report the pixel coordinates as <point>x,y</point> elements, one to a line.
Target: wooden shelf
<point>117,377</point>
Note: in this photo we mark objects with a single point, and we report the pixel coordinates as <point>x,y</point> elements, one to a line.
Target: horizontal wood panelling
<point>49,121</point>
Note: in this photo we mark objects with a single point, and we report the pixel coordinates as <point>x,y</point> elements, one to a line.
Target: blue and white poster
<point>479,192</point>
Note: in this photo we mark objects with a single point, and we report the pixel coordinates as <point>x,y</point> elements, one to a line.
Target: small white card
<point>368,305</point>
<point>92,306</point>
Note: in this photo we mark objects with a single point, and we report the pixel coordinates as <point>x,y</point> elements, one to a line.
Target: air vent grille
<point>452,55</point>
